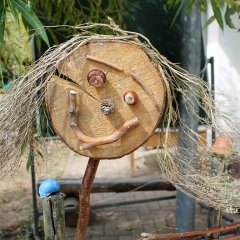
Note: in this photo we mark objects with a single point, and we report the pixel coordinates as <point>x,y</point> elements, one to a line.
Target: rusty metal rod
<point>185,235</point>
<point>84,196</point>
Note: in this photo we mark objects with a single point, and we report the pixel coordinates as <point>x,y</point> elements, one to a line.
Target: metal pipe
<point>211,61</point>
<point>214,218</point>
<point>191,61</point>
<point>117,204</point>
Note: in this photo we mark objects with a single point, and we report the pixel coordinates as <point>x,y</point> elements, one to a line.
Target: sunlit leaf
<point>12,8</point>
<point>217,12</point>
<point>209,21</point>
<point>202,5</point>
<point>31,18</point>
<point>228,20</point>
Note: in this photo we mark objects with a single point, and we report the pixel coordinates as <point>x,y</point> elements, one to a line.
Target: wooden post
<point>84,196</point>
<point>53,217</point>
<point>132,164</point>
<point>214,220</point>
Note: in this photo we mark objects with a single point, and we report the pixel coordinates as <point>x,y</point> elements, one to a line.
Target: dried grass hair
<point>191,167</point>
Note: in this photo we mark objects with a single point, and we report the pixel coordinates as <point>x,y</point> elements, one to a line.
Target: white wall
<point>224,46</point>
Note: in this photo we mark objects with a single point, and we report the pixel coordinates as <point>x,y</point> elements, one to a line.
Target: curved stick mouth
<point>89,142</point>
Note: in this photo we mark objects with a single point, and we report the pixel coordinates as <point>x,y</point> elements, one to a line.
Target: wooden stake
<point>84,196</point>
<point>132,164</point>
<point>53,217</point>
<point>214,220</point>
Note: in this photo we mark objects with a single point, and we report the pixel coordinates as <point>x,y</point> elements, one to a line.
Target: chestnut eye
<point>130,97</point>
<point>96,78</point>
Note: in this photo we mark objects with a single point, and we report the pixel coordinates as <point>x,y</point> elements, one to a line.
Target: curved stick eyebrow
<point>99,60</point>
<point>147,90</point>
<point>88,141</point>
<point>134,77</point>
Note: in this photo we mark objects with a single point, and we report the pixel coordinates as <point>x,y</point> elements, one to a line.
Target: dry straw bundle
<point>199,172</point>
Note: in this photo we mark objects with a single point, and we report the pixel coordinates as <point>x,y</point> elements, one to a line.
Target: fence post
<point>53,217</point>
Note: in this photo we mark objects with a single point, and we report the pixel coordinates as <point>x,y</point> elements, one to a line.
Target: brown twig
<point>84,196</point>
<point>147,90</point>
<point>184,235</point>
<point>89,142</point>
<point>109,64</point>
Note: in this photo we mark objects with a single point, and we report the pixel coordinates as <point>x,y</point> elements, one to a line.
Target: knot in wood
<point>71,110</point>
<point>107,106</point>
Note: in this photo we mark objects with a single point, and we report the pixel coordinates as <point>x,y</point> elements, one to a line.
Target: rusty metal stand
<point>84,196</point>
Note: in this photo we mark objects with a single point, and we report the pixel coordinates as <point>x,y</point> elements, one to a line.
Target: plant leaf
<point>23,147</point>
<point>31,18</point>
<point>53,36</point>
<point>176,15</point>
<point>202,5</point>
<point>30,159</point>
<point>2,21</point>
<point>40,154</point>
<point>12,8</point>
<point>228,20</point>
<point>189,6</point>
<point>209,21</point>
<point>217,12</point>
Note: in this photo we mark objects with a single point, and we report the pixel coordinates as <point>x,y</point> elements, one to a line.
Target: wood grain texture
<point>132,60</point>
<point>53,217</point>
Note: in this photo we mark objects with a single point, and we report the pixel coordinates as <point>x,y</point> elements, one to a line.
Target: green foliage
<point>2,20</point>
<point>75,12</point>
<point>12,8</point>
<point>55,13</point>
<point>21,7</point>
<point>223,10</point>
<point>13,13</point>
<point>15,53</point>
<point>30,17</point>
<point>216,7</point>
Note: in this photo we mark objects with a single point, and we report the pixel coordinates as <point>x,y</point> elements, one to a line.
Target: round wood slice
<point>127,68</point>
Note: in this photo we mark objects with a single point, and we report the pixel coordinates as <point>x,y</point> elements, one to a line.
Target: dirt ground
<point>59,161</point>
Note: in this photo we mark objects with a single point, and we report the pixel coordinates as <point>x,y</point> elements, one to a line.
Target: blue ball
<point>48,187</point>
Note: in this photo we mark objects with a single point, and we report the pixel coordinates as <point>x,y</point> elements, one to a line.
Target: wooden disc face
<point>128,70</point>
